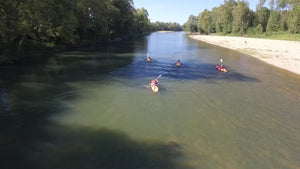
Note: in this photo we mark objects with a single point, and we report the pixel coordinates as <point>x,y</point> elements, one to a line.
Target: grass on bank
<point>269,35</point>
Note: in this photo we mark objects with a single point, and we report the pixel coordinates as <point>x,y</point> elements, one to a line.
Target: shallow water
<point>91,108</point>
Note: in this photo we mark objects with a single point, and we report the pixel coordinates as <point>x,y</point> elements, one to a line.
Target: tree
<point>283,20</point>
<point>260,5</point>
<point>9,26</point>
<point>205,22</point>
<point>291,18</point>
<point>273,22</point>
<point>43,21</point>
<point>258,29</point>
<point>263,15</point>
<point>47,20</point>
<point>66,22</point>
<point>226,16</point>
<point>282,15</point>
<point>141,21</point>
<point>294,20</point>
<point>216,23</point>
<point>272,4</point>
<point>95,19</point>
<point>241,15</point>
<point>124,20</point>
<point>222,18</point>
<point>166,26</point>
<point>191,24</point>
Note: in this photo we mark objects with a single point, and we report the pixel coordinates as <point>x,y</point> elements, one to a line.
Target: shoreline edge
<point>279,53</point>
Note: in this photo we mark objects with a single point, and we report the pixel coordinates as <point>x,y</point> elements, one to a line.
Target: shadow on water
<point>23,86</point>
<point>102,148</point>
<point>187,71</point>
<point>31,93</point>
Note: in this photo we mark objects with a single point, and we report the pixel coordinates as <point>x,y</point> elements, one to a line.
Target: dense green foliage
<point>241,17</point>
<point>236,18</point>
<point>165,26</point>
<point>274,21</point>
<point>262,16</point>
<point>204,21</point>
<point>191,24</point>
<point>66,22</point>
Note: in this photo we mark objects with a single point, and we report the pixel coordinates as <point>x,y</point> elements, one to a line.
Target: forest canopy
<point>67,22</point>
<point>235,17</point>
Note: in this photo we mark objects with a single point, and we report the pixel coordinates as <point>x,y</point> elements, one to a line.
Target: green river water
<point>91,109</point>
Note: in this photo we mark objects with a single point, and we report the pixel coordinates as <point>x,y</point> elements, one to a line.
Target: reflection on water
<point>91,108</point>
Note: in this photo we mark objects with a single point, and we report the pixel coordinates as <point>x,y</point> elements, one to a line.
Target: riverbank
<point>164,31</point>
<point>280,53</point>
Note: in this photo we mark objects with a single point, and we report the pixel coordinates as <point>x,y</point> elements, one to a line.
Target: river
<point>92,108</point>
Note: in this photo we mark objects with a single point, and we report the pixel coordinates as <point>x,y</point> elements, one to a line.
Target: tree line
<point>235,17</point>
<point>52,22</point>
<point>165,26</point>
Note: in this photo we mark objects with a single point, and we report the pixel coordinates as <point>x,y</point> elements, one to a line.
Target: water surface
<point>91,108</point>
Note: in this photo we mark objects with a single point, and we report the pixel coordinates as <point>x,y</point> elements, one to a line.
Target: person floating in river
<point>178,63</point>
<point>154,82</point>
<point>148,57</point>
<point>221,67</point>
<point>154,85</point>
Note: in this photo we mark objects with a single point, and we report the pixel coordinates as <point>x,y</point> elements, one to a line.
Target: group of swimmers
<point>154,82</point>
<point>149,59</point>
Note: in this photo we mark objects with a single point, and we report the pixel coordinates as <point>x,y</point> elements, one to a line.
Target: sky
<point>179,10</point>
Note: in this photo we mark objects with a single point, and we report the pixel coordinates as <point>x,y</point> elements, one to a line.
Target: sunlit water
<point>92,108</point>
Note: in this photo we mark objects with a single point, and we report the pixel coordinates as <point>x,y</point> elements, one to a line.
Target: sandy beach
<point>280,53</point>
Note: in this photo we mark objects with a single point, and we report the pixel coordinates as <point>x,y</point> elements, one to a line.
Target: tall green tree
<point>9,26</point>
<point>241,17</point>
<point>222,17</point>
<point>294,20</point>
<point>66,21</point>
<point>141,20</point>
<point>48,20</point>
<point>216,21</point>
<point>166,26</point>
<point>278,15</point>
<point>205,22</point>
<point>274,21</point>
<point>226,15</point>
<point>292,17</point>
<point>124,20</point>
<point>263,15</point>
<point>95,19</point>
<point>283,20</point>
<point>191,24</point>
<point>41,20</point>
